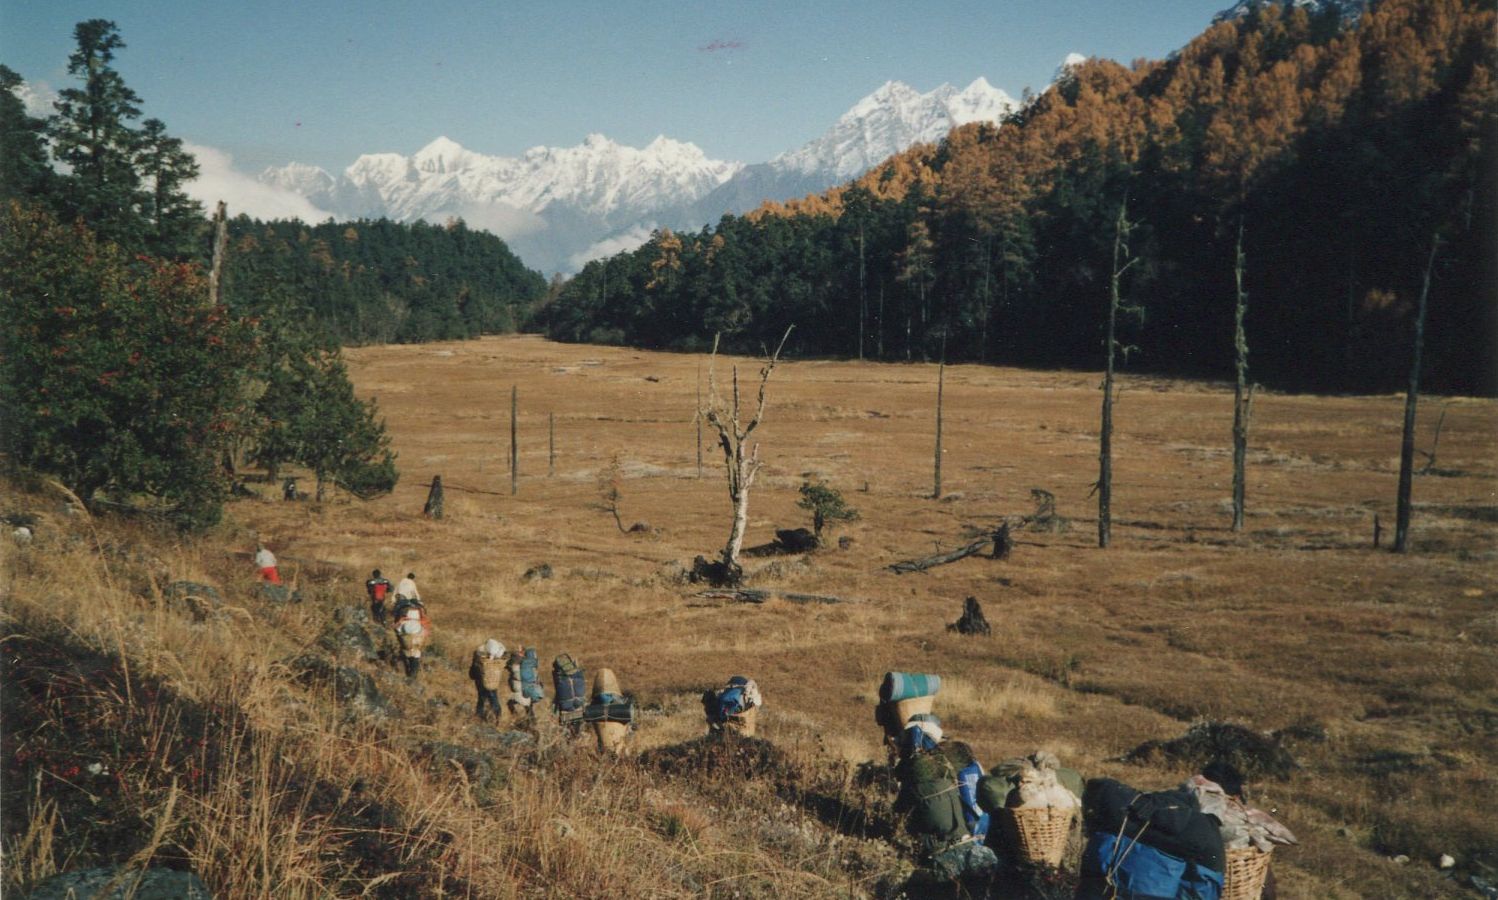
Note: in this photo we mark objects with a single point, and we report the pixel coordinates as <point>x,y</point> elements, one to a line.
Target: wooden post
<point>551,444</point>
<point>220,246</point>
<point>433,508</point>
<point>1407,445</point>
<point>1378,531</point>
<point>514,441</point>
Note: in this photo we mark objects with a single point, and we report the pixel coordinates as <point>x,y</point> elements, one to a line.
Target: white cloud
<point>219,180</point>
<point>502,219</point>
<point>622,242</point>
<point>37,97</point>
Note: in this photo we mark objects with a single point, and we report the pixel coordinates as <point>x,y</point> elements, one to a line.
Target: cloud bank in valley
<point>219,180</point>
<point>623,242</point>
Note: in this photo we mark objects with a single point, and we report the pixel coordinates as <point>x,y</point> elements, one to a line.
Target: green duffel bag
<point>929,800</point>
<point>993,792</point>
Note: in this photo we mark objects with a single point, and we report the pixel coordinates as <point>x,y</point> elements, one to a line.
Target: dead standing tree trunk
<point>1407,445</point>
<point>740,459</point>
<point>1121,264</point>
<point>1243,397</point>
<point>941,380</point>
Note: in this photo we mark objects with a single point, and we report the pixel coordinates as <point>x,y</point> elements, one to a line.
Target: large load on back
<point>488,666</point>
<point>569,694</point>
<point>525,686</point>
<point>1034,800</point>
<point>735,706</point>
<point>929,798</point>
<point>903,695</point>
<point>1150,845</point>
<point>611,714</point>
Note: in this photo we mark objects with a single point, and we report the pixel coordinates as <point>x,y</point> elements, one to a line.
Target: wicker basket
<point>1247,868</point>
<point>913,706</point>
<point>745,722</point>
<point>610,736</point>
<point>1037,833</point>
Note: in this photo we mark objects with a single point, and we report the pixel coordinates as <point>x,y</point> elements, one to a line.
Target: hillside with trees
<point>1342,149</point>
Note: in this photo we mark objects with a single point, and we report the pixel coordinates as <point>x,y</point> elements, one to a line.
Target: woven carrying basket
<point>1247,868</point>
<point>610,736</point>
<point>745,723</point>
<point>1037,834</point>
<point>904,709</point>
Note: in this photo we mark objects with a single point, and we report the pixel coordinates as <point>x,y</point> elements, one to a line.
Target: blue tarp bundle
<point>905,685</point>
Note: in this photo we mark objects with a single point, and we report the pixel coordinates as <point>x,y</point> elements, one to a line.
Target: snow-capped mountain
<point>557,206</point>
<point>1348,9</point>
<point>893,118</point>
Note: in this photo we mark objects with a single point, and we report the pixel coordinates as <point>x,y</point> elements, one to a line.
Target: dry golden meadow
<point>1387,664</point>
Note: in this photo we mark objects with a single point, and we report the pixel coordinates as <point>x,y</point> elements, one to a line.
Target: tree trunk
<point>551,444</point>
<point>941,377</point>
<point>1407,445</point>
<point>220,246</point>
<point>514,441</point>
<point>1105,436</point>
<point>1241,396</point>
<point>862,299</point>
<point>433,508</point>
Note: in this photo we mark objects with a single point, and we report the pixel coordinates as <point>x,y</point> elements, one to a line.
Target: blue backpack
<point>570,684</point>
<point>530,685</point>
<point>1142,872</point>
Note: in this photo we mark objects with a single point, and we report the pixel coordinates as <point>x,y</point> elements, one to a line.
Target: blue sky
<point>271,81</point>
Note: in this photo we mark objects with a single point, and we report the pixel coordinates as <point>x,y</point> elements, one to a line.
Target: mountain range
<point>561,206</point>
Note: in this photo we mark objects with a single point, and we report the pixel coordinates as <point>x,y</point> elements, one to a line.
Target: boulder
<point>349,634</point>
<point>354,689</point>
<point>143,884</point>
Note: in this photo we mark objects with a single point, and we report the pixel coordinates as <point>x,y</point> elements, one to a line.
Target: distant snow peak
<point>1072,61</point>
<point>891,119</point>
<point>1347,9</point>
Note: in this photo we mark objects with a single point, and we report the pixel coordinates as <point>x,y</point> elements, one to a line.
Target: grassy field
<point>1384,668</point>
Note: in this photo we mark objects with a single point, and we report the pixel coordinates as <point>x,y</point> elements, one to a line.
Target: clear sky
<point>315,81</point>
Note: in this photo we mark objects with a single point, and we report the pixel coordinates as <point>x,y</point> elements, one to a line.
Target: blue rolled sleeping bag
<point>905,685</point>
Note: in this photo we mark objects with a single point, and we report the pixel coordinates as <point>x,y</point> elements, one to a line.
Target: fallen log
<point>754,595</point>
<point>941,559</point>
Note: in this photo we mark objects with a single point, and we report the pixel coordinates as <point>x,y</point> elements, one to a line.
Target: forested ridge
<point>378,281</point>
<point>1342,149</point>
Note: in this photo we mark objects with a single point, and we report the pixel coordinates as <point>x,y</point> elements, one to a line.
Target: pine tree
<point>174,219</point>
<point>91,134</point>
<point>25,171</point>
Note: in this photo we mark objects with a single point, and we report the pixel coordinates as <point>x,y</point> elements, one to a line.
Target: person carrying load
<point>569,692</point>
<point>733,707</point>
<point>378,588</point>
<point>612,713</point>
<point>930,800</point>
<point>525,685</point>
<point>412,632</point>
<point>488,674</point>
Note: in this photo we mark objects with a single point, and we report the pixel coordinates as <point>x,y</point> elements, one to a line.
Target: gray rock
<point>279,593</point>
<point>201,601</point>
<point>144,884</point>
<point>349,634</point>
<point>474,763</point>
<point>354,689</point>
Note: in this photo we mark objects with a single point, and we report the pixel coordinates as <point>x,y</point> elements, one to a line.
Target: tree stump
<point>1003,543</point>
<point>972,621</point>
<point>433,508</point>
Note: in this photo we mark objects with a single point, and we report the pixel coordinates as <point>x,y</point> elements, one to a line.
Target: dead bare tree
<point>1122,262</point>
<point>1407,445</point>
<point>1242,394</point>
<point>941,380</point>
<point>740,458</point>
<point>514,440</point>
<point>220,244</point>
<point>1435,444</point>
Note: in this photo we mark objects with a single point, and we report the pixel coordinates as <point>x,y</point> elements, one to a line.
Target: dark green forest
<point>142,383</point>
<point>1343,149</point>
<point>380,281</point>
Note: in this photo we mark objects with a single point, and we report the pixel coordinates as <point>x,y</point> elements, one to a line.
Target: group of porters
<point>1200,840</point>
